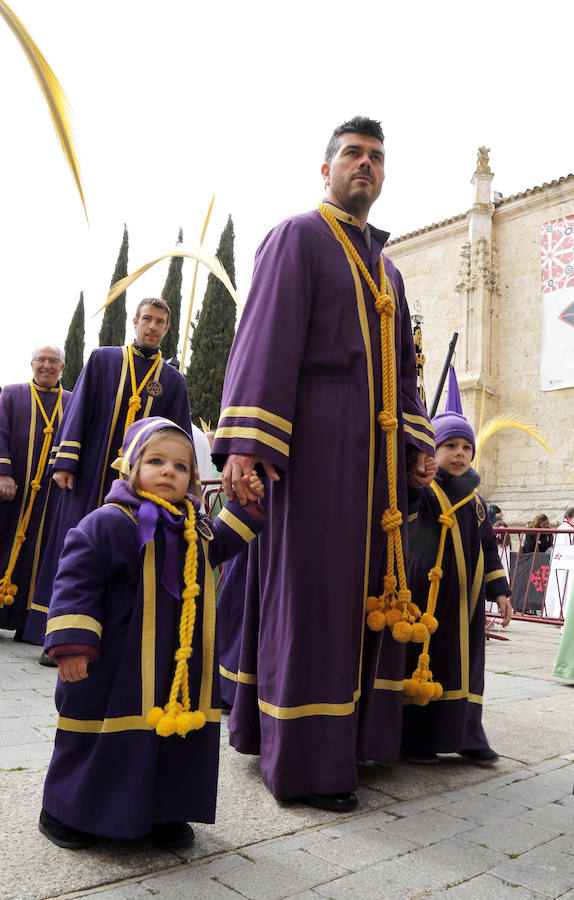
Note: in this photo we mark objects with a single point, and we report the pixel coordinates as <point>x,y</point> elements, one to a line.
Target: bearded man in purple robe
<point>117,386</point>
<point>29,418</point>
<point>321,391</point>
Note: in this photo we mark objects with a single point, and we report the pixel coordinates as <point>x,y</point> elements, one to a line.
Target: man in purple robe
<point>29,418</point>
<point>323,361</point>
<point>117,386</point>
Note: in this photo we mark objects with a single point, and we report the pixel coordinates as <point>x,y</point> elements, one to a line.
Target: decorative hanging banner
<point>557,270</point>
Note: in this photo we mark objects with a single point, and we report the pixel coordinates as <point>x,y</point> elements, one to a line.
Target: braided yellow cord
<point>134,404</point>
<point>8,590</point>
<point>394,607</point>
<point>420,687</point>
<point>176,717</point>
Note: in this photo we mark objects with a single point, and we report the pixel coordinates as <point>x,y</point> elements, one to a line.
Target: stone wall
<point>479,274</point>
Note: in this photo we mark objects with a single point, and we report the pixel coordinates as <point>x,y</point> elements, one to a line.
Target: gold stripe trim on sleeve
<point>87,623</point>
<point>8,461</point>
<point>71,444</point>
<point>419,435</point>
<point>256,412</point>
<point>238,431</point>
<point>419,420</point>
<point>236,525</point>
<point>60,455</point>
<point>492,576</point>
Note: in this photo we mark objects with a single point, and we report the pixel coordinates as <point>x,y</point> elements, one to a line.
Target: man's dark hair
<point>358,125</point>
<point>153,301</point>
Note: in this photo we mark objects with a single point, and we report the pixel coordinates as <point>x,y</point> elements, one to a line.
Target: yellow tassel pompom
<point>154,715</point>
<point>437,690</point>
<point>166,726</point>
<point>376,620</point>
<point>402,632</point>
<point>184,723</point>
<point>372,604</point>
<point>426,689</point>
<point>420,701</point>
<point>414,610</point>
<point>411,687</point>
<point>393,616</point>
<point>199,720</point>
<point>420,633</point>
<point>430,622</point>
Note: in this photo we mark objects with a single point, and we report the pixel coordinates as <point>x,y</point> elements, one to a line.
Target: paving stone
<point>548,765</point>
<point>424,870</point>
<point>548,871</point>
<point>483,810</point>
<point>353,851</point>
<point>553,816</point>
<point>531,792</point>
<point>427,828</point>
<point>361,823</point>
<point>486,887</point>
<point>565,842</point>
<point>511,836</point>
<point>270,873</point>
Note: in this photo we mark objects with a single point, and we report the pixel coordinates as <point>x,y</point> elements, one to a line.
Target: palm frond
<point>52,91</point>
<point>205,426</point>
<point>506,421</point>
<point>188,250</point>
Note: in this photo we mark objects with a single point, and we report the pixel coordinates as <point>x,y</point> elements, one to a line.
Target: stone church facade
<point>479,274</point>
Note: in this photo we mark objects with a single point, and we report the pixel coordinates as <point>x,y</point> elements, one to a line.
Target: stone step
<point>520,504</point>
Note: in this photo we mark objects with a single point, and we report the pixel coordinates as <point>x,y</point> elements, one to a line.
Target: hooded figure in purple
<point>29,418</point>
<point>117,604</point>
<point>92,431</point>
<point>470,571</point>
<point>316,689</point>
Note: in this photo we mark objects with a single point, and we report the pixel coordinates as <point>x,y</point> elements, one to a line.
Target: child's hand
<point>505,609</point>
<point>73,668</point>
<point>253,485</point>
<point>421,469</point>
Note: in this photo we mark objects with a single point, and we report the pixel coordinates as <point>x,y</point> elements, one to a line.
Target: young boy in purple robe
<point>454,562</point>
<point>132,628</point>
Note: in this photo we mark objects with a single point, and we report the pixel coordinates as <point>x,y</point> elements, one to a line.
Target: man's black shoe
<point>483,757</point>
<point>332,802</point>
<point>64,835</point>
<point>19,636</point>
<point>172,835</point>
<point>45,660</point>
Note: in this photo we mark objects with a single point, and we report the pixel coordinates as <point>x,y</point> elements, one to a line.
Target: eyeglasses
<point>52,360</point>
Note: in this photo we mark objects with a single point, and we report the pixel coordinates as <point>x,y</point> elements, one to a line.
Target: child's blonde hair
<point>194,482</point>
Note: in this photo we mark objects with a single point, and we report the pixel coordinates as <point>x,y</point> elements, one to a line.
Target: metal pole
<point>443,374</point>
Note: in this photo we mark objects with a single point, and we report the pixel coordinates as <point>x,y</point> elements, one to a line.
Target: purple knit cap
<point>137,436</point>
<point>452,425</point>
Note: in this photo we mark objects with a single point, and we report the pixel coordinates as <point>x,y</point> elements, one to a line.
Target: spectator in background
<point>529,545</point>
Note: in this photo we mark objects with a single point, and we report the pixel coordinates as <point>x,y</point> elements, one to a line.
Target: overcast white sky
<point>177,99</point>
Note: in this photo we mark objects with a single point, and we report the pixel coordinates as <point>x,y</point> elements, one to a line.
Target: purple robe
<point>317,689</point>
<point>230,606</point>
<point>110,773</point>
<point>21,439</point>
<point>471,572</point>
<point>88,442</point>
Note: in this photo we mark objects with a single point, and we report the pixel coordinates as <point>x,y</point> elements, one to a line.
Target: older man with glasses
<point>29,418</point>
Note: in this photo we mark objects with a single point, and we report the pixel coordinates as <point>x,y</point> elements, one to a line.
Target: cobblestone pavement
<point>453,830</point>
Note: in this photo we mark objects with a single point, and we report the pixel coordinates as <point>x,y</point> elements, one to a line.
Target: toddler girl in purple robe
<point>132,629</point>
<point>451,543</point>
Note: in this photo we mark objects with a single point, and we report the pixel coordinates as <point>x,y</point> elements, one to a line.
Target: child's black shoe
<point>172,835</point>
<point>64,835</point>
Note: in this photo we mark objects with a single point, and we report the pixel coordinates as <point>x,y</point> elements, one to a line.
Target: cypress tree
<point>171,293</point>
<point>212,338</point>
<point>74,347</point>
<point>113,330</point>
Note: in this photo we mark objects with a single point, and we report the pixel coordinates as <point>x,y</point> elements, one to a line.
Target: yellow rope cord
<point>8,590</point>
<point>394,607</point>
<point>176,716</point>
<point>420,687</point>
<point>134,404</point>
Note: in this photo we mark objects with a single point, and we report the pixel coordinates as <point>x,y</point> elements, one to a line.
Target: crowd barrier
<point>540,580</point>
